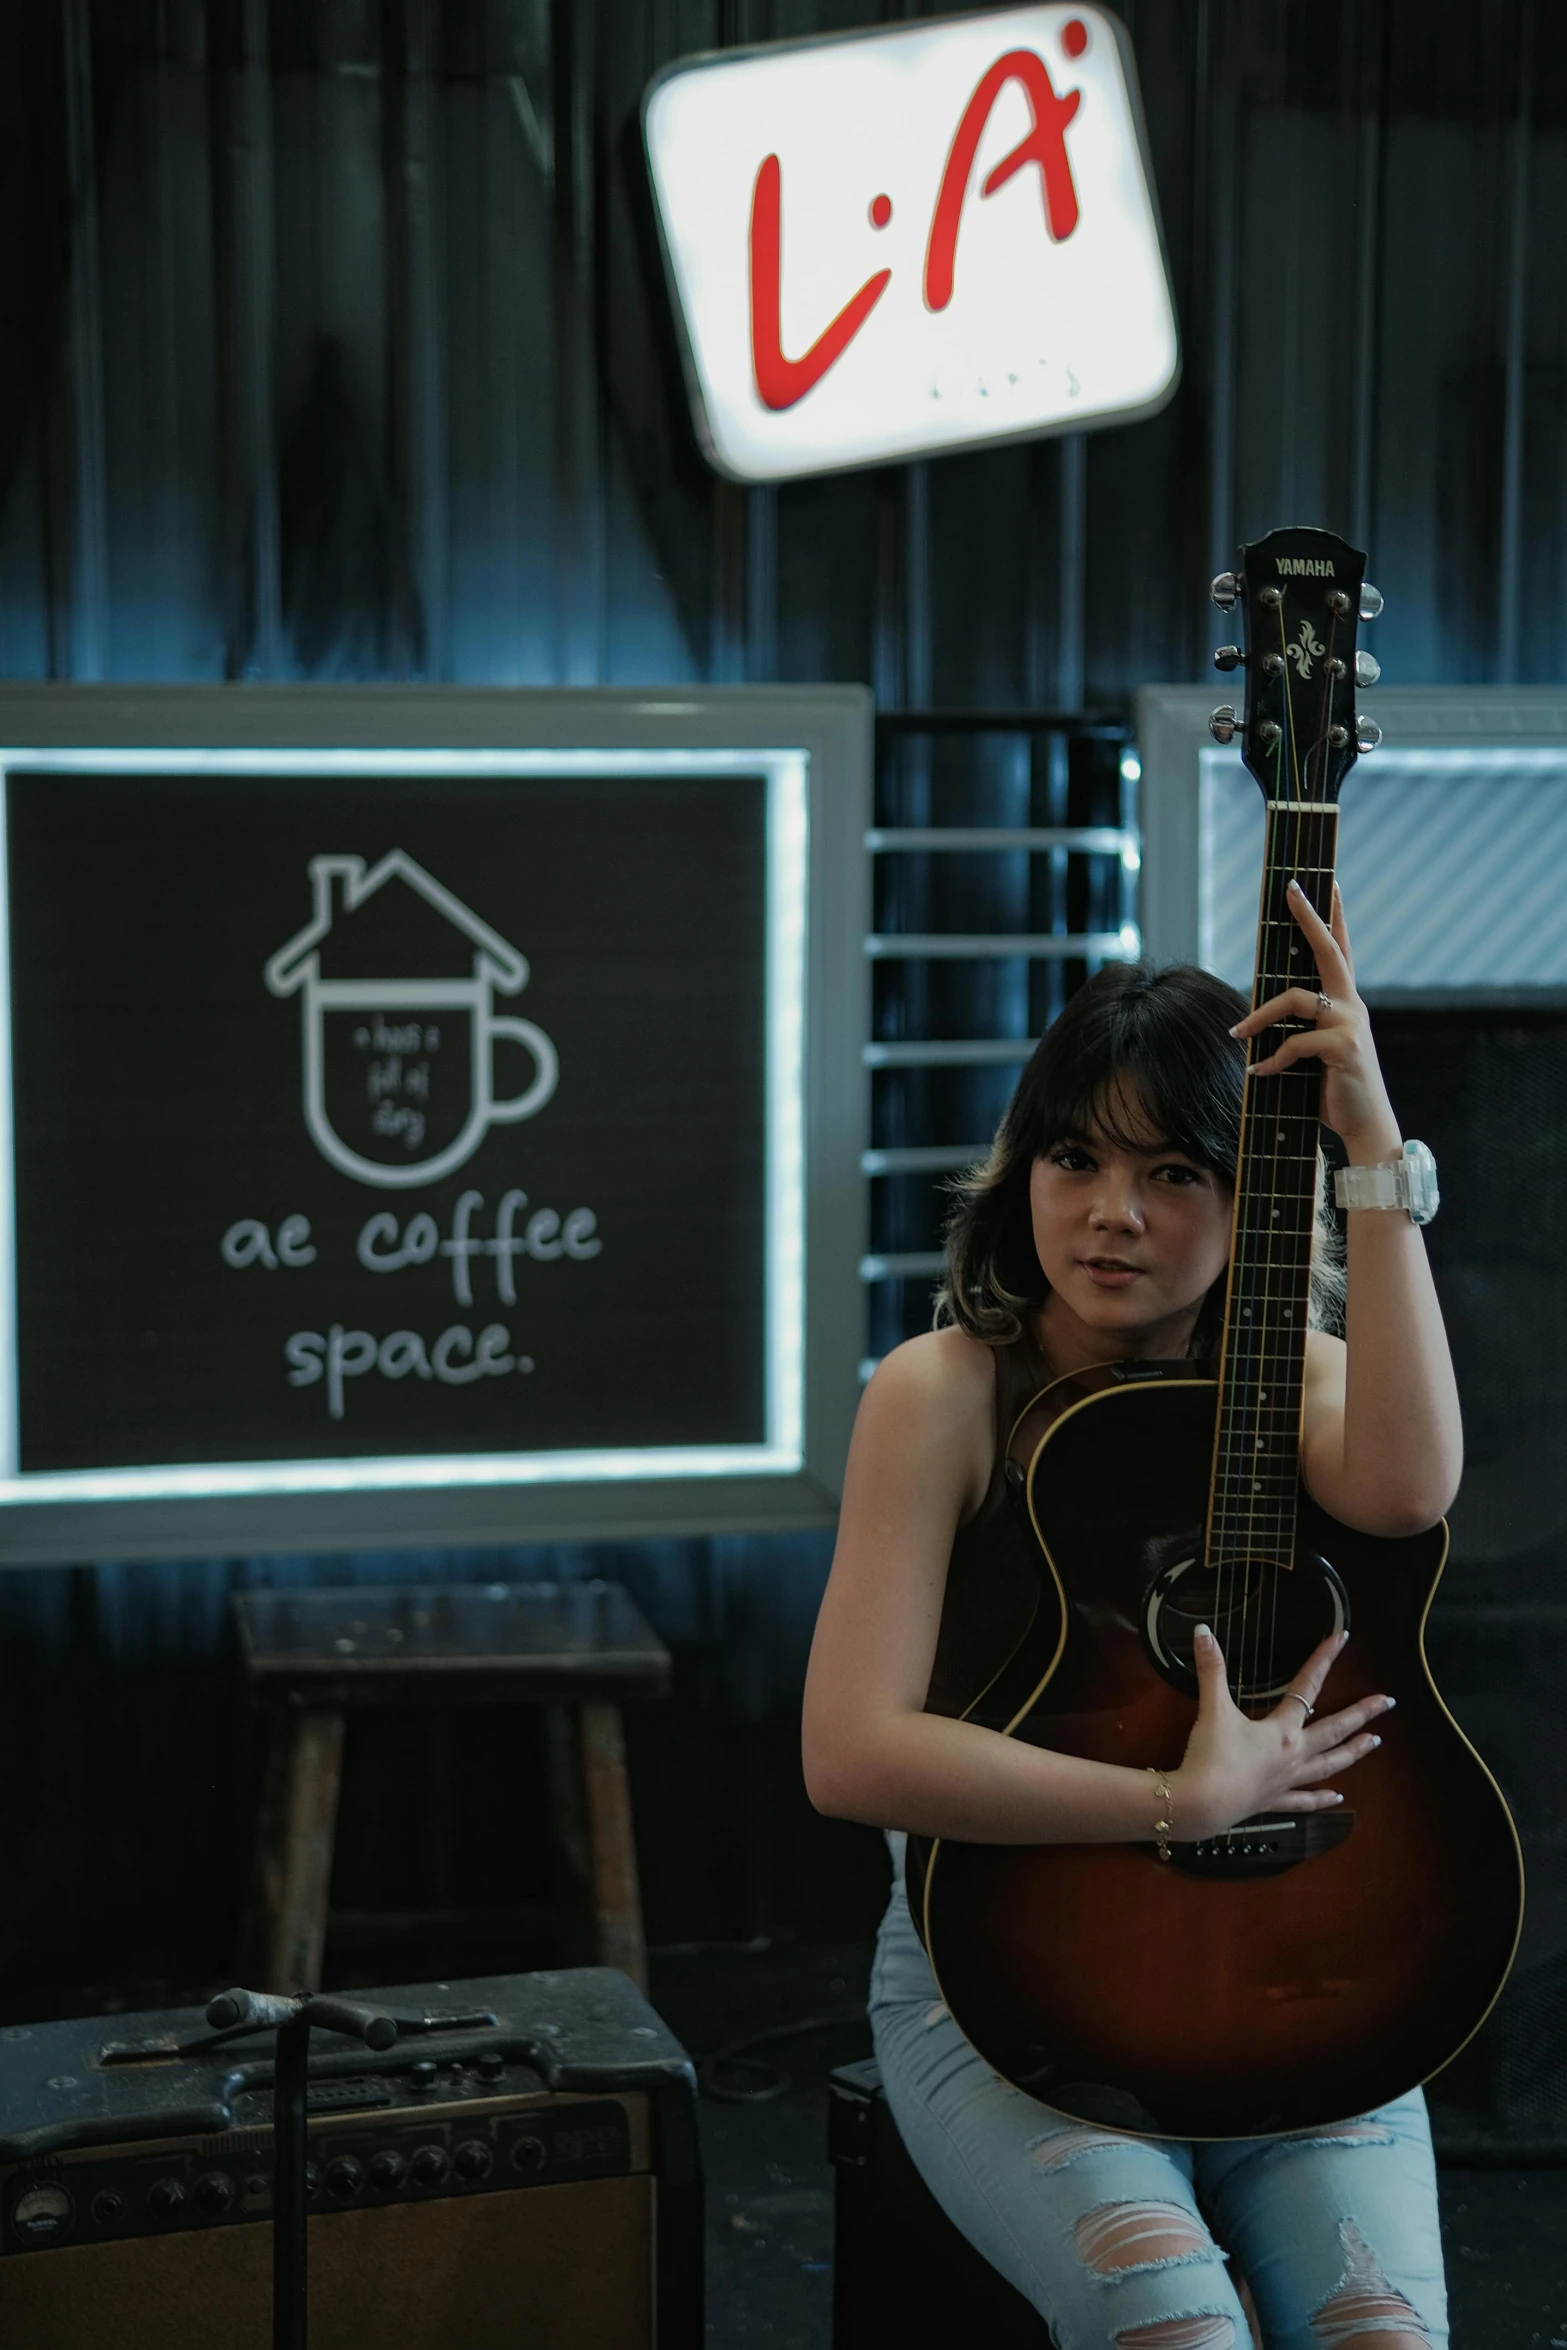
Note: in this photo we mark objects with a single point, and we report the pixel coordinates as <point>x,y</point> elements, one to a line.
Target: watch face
<point>1420,1170</point>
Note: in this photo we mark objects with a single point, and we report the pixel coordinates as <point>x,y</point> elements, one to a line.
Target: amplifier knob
<point>344,2177</point>
<point>491,2065</point>
<point>166,2197</point>
<point>473,2159</point>
<point>527,2154</point>
<point>312,2181</point>
<point>423,2073</point>
<point>388,2170</point>
<point>108,2208</point>
<point>214,2190</point>
<point>429,2165</point>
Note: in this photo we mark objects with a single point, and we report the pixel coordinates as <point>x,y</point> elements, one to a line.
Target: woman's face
<point>1130,1240</point>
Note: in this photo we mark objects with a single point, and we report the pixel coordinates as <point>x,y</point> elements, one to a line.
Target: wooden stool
<point>313,1657</point>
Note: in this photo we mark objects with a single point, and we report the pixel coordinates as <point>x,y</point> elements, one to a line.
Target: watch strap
<point>1372,1187</point>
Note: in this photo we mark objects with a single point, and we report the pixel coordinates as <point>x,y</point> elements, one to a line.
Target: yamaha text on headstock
<point>1297,1969</point>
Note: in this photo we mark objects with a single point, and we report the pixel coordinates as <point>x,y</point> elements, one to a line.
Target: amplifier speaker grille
<point>561,2268</point>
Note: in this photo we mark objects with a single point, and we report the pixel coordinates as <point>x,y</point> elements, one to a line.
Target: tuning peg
<point>1223,723</point>
<point>1228,657</point>
<point>1367,669</point>
<point>1367,734</point>
<point>1370,600</point>
<point>1225,589</point>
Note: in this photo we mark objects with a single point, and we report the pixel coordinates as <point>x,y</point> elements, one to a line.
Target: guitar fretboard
<point>1257,1448</point>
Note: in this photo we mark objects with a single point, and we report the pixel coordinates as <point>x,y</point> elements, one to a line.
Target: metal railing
<point>1046,899</point>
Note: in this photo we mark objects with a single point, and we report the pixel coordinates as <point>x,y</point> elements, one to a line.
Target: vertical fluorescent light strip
<point>10,1403</point>
<point>787,847</point>
<point>1207,817</point>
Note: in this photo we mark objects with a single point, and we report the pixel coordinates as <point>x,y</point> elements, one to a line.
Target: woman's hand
<point>1234,1766</point>
<point>1354,1097</point>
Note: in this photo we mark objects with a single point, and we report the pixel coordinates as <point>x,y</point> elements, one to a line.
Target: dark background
<point>336,347</point>
<point>158,1101</point>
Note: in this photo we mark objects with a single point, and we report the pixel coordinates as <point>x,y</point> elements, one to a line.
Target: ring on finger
<point>1324,1004</point>
<point>1309,1710</point>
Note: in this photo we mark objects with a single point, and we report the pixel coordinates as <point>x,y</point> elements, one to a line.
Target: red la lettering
<point>1045,145</point>
<point>780,381</point>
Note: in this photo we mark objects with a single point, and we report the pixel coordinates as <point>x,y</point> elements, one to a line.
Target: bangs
<point>1141,1079</point>
<point>1140,1110</point>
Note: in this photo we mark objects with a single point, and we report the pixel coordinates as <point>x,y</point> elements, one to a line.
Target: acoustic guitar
<point>1300,1968</point>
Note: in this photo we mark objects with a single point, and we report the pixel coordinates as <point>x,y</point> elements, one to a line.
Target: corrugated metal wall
<point>336,347</point>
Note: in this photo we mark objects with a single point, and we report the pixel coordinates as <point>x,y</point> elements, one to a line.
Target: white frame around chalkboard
<point>814,746</point>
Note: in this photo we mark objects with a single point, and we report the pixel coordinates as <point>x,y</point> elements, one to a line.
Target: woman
<point>1099,1230</point>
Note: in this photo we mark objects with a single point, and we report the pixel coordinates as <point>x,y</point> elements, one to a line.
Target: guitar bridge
<point>1265,1846</point>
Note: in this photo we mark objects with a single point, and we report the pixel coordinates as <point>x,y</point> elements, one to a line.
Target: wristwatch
<point>1407,1182</point>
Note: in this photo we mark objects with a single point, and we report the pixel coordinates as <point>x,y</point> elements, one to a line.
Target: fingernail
<point>1295,886</point>
<point>1392,1701</point>
<point>1337,1796</point>
<point>1375,1740</point>
<point>1235,1031</point>
<point>1203,1633</point>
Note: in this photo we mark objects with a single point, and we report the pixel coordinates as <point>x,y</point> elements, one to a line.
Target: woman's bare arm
<point>1382,1444</point>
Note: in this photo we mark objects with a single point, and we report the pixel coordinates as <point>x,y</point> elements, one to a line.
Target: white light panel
<point>1449,861</point>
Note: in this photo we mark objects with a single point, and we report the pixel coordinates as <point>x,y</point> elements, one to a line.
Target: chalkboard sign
<point>415,1140</point>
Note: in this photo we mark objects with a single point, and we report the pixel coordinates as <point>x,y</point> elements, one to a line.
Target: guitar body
<point>1236,1992</point>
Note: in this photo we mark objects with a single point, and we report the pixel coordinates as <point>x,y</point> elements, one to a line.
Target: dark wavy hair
<point>1131,1039</point>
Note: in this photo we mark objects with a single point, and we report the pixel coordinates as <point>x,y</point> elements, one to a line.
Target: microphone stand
<point>292,2019</point>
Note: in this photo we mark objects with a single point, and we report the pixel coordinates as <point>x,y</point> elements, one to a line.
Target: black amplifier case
<point>521,2167</point>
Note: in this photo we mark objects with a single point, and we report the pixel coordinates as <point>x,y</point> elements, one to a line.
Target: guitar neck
<point>1252,1497</point>
<point>1300,594</point>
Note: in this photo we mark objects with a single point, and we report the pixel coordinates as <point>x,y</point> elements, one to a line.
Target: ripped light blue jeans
<point>1125,2243</point>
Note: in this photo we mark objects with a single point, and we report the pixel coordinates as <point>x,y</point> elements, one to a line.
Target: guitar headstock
<point>1302,595</point>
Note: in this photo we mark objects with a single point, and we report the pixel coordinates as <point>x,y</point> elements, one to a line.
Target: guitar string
<point>1326,866</point>
<point>1287,1252</point>
<point>1285,741</point>
<point>1241,1367</point>
<point>1234,1559</point>
<point>1255,1569</point>
<point>1286,1257</point>
<point>1270,1567</point>
<point>1313,786</point>
<point>1226,1564</point>
<point>1281,1256</point>
<point>1257,1566</point>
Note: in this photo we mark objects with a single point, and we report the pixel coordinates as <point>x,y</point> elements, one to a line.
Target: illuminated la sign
<point>914,240</point>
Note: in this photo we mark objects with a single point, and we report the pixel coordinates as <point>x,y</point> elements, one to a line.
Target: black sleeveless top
<point>993,1575</point>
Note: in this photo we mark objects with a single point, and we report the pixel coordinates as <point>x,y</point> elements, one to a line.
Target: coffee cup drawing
<point>398,1067</point>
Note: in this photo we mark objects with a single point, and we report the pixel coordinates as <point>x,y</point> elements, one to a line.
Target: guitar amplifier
<point>521,2167</point>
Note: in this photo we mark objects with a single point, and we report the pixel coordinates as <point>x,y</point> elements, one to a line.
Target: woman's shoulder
<point>946,1368</point>
<point>935,1395</point>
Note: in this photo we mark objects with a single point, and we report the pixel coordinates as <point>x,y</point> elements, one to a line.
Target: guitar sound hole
<point>1268,1617</point>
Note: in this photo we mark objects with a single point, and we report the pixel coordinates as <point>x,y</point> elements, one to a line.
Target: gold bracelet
<point>1163,1829</point>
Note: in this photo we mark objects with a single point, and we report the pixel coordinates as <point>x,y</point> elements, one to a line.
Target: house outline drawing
<point>295,969</point>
